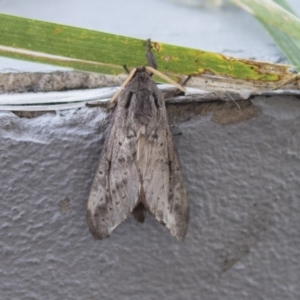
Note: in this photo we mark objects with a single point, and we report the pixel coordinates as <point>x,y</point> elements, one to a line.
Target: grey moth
<point>139,169</point>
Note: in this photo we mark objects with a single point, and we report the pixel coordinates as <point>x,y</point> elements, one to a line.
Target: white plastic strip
<point>56,97</point>
<point>63,100</point>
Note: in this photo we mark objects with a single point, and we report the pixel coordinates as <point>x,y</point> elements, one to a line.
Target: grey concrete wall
<point>241,169</point>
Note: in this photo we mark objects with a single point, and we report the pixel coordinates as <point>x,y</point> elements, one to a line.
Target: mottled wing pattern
<point>139,166</point>
<point>162,179</point>
<point>115,189</point>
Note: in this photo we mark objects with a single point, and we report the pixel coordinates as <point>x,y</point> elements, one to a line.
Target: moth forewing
<point>165,193</point>
<point>139,167</point>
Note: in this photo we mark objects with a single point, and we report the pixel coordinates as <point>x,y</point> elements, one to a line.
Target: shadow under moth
<point>139,169</point>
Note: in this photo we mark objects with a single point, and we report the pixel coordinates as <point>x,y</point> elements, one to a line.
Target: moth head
<point>143,69</point>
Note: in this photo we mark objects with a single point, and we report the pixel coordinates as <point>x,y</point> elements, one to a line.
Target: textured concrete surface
<point>243,182</point>
<point>243,186</point>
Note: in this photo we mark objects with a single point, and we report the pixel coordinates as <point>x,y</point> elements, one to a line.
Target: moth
<point>139,169</point>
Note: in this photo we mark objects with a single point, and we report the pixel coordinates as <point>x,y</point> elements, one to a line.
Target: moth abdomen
<point>139,213</point>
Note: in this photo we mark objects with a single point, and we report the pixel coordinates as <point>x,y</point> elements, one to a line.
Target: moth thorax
<point>146,107</point>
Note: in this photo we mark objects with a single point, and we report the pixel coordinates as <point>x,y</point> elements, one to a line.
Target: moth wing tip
<point>180,231</point>
<point>180,237</point>
<point>98,236</point>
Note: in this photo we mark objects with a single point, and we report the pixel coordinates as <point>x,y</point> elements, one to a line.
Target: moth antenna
<point>178,92</point>
<point>186,80</point>
<point>166,78</point>
<point>115,96</point>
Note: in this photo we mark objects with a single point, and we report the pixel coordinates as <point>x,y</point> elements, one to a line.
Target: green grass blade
<point>94,51</point>
<point>273,14</point>
<point>289,45</point>
<point>285,5</point>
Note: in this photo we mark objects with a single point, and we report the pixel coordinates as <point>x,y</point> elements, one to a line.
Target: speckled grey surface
<point>243,182</point>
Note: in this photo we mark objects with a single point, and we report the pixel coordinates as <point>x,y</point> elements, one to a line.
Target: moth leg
<point>186,80</point>
<point>97,104</point>
<point>126,69</point>
<point>177,92</point>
